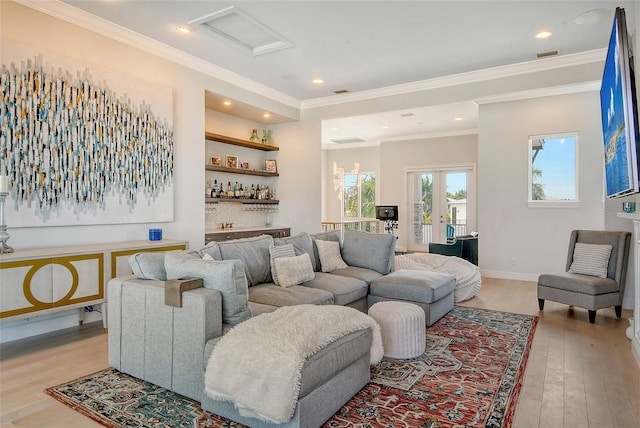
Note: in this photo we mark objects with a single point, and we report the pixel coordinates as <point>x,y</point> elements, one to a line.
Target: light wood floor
<point>578,375</point>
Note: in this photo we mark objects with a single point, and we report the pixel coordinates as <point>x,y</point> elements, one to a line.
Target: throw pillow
<point>591,259</point>
<point>148,265</point>
<point>294,270</point>
<point>329,253</point>
<point>332,235</point>
<point>302,243</point>
<point>226,276</point>
<point>276,251</point>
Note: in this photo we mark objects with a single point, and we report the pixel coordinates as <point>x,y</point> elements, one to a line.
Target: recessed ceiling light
<point>183,28</point>
<point>318,81</point>
<point>543,34</point>
<point>458,118</point>
<point>385,127</point>
<point>334,129</point>
<point>227,103</point>
<point>267,115</point>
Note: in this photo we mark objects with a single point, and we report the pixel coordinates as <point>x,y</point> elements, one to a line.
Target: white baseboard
<point>517,276</point>
<point>11,330</point>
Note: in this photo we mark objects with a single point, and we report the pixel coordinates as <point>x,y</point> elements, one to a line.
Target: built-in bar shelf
<point>240,171</point>
<point>242,201</point>
<point>238,142</point>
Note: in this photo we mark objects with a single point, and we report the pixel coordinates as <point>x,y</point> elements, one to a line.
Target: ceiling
<point>367,45</point>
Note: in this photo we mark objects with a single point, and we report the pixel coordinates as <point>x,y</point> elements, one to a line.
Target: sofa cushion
<point>213,249</point>
<point>302,244</point>
<point>333,235</point>
<point>364,274</point>
<point>274,295</point>
<point>254,253</point>
<point>148,265</point>
<point>276,251</point>
<point>345,290</point>
<point>329,254</point>
<point>413,286</point>
<point>587,284</point>
<point>369,250</point>
<point>294,270</point>
<point>216,275</point>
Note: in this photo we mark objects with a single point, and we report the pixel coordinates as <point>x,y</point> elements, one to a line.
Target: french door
<point>438,201</point>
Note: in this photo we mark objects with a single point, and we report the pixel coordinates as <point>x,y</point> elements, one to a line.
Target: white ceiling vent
<point>347,140</point>
<point>235,25</point>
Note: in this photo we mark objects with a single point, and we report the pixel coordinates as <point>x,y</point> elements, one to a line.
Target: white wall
<point>517,240</point>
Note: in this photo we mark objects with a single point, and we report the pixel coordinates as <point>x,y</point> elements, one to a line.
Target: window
<point>553,170</point>
<point>359,195</point>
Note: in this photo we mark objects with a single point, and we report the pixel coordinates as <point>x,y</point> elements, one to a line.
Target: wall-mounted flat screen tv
<point>619,114</point>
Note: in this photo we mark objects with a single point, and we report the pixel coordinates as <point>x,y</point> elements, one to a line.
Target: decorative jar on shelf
<point>254,136</point>
<point>266,136</point>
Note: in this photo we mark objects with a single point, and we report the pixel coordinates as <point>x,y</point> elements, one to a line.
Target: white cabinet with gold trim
<point>43,281</point>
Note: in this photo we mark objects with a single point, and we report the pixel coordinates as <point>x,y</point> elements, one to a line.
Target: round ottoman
<point>402,327</point>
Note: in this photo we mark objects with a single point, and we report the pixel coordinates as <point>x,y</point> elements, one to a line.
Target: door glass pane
<point>368,195</point>
<point>423,209</point>
<point>350,193</point>
<point>457,203</point>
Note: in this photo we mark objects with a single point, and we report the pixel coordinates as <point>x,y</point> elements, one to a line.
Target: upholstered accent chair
<point>595,272</point>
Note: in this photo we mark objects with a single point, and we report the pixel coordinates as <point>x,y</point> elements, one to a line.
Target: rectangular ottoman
<point>432,291</point>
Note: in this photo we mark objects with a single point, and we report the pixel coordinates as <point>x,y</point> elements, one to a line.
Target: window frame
<point>358,192</point>
<point>568,203</point>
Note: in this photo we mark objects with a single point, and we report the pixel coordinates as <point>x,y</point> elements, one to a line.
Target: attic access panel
<point>240,28</point>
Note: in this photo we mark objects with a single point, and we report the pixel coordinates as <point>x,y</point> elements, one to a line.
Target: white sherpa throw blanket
<point>258,364</point>
<point>468,279</point>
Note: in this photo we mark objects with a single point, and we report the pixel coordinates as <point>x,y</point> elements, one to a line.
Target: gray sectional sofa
<point>163,327</point>
<point>169,346</point>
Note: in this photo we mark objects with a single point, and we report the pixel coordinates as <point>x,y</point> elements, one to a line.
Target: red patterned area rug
<point>469,376</point>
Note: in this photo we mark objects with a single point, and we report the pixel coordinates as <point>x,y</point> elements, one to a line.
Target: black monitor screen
<point>387,212</point>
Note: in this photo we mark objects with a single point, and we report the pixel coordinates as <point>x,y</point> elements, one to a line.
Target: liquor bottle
<point>207,190</point>
<point>215,190</point>
<point>229,190</point>
<point>252,192</point>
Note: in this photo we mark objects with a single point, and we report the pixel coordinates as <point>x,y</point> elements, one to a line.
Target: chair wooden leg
<point>619,311</point>
<point>541,304</point>
<point>592,317</point>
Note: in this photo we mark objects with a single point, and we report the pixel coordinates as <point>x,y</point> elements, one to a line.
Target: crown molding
<point>106,28</point>
<point>494,73</point>
<point>542,92</point>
